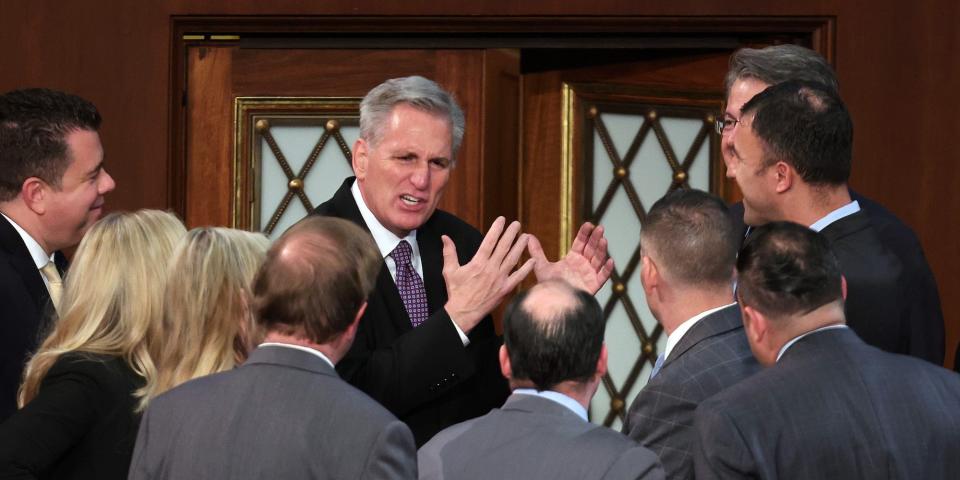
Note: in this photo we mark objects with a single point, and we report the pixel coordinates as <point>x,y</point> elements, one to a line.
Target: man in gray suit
<point>553,357</point>
<point>688,249</point>
<point>285,413</point>
<point>828,405</point>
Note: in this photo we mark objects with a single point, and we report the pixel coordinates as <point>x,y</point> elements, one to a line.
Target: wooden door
<point>218,181</point>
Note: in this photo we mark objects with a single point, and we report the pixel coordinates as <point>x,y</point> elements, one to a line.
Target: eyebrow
<point>95,170</point>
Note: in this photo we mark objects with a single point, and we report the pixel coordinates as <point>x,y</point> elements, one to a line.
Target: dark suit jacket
<point>710,357</point>
<point>534,438</point>
<point>425,376</point>
<point>834,407</point>
<point>80,425</point>
<point>25,310</point>
<point>920,332</point>
<point>283,414</point>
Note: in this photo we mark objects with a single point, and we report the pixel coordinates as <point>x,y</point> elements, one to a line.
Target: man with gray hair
<point>554,357</point>
<point>426,347</point>
<point>688,248</point>
<point>753,70</point>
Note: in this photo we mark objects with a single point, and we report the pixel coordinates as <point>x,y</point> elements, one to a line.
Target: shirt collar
<point>39,256</point>
<point>789,344</point>
<point>301,348</point>
<point>558,397</point>
<point>385,239</point>
<point>674,338</point>
<point>844,211</point>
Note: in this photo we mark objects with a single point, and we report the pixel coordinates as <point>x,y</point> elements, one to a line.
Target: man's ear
<point>34,193</point>
<point>786,176</point>
<point>505,363</point>
<point>755,324</point>
<point>602,361</point>
<point>843,287</point>
<point>649,275</point>
<point>360,158</point>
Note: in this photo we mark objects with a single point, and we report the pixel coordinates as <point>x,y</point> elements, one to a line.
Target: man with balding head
<point>828,405</point>
<point>688,249</point>
<point>553,357</point>
<point>285,413</point>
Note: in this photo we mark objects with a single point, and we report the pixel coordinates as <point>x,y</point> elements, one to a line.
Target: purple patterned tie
<point>412,292</point>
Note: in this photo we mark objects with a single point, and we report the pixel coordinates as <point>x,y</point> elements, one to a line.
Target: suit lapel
<point>385,297</point>
<point>431,258</point>
<point>714,324</point>
<point>23,264</point>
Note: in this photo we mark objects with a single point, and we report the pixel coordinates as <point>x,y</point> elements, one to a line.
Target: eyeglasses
<point>724,123</point>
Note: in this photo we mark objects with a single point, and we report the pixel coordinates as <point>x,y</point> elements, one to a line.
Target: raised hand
<point>586,266</point>
<point>475,289</point>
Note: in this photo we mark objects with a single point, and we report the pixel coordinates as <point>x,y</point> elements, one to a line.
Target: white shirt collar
<point>558,397</point>
<point>674,338</point>
<point>301,348</point>
<point>40,257</point>
<point>789,344</point>
<point>385,239</point>
<point>844,211</point>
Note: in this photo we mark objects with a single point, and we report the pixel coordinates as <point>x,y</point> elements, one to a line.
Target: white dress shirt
<point>40,257</point>
<point>386,242</point>
<point>844,211</point>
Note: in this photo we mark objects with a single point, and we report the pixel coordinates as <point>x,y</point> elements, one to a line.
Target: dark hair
<point>691,235</point>
<point>780,63</point>
<point>556,341</point>
<point>315,278</point>
<point>34,124</point>
<point>785,269</point>
<point>806,125</point>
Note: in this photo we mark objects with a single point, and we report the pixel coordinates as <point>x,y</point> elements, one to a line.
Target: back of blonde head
<point>207,323</point>
<point>112,300</point>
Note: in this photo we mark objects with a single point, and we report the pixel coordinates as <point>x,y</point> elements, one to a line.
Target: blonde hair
<point>112,299</point>
<point>206,318</point>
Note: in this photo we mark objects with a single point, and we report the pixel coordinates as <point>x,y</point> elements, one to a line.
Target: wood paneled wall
<point>897,62</point>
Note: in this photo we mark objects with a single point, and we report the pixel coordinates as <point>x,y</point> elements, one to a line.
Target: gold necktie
<point>56,283</point>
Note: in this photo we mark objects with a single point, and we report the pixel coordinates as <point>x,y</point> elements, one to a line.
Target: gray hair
<point>780,63</point>
<point>416,91</point>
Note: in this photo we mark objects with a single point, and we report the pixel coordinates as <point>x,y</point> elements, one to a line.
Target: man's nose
<point>420,178</point>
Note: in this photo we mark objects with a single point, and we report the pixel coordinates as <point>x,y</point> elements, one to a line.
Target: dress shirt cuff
<point>463,336</point>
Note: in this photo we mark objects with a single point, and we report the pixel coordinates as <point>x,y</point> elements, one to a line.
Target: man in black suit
<point>426,347</point>
<point>688,249</point>
<point>792,151</point>
<point>753,70</point>
<point>828,405</point>
<point>52,184</point>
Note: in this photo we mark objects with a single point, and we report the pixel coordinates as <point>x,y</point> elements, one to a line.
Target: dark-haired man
<point>793,150</point>
<point>554,357</point>
<point>285,413</point>
<point>828,405</point>
<point>52,184</point>
<point>688,249</point>
<point>751,71</point>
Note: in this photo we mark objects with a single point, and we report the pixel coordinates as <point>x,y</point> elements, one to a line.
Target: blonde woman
<point>78,402</point>
<point>207,322</point>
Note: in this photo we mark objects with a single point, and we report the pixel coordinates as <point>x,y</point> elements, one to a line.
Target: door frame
<point>344,32</point>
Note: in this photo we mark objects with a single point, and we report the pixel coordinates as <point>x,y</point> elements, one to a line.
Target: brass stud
<point>332,125</point>
<point>647,348</point>
<point>296,184</point>
<point>652,115</point>
<point>592,111</point>
<point>262,126</point>
<point>620,172</point>
<point>680,176</point>
<point>616,404</point>
<point>711,119</point>
<point>619,288</point>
